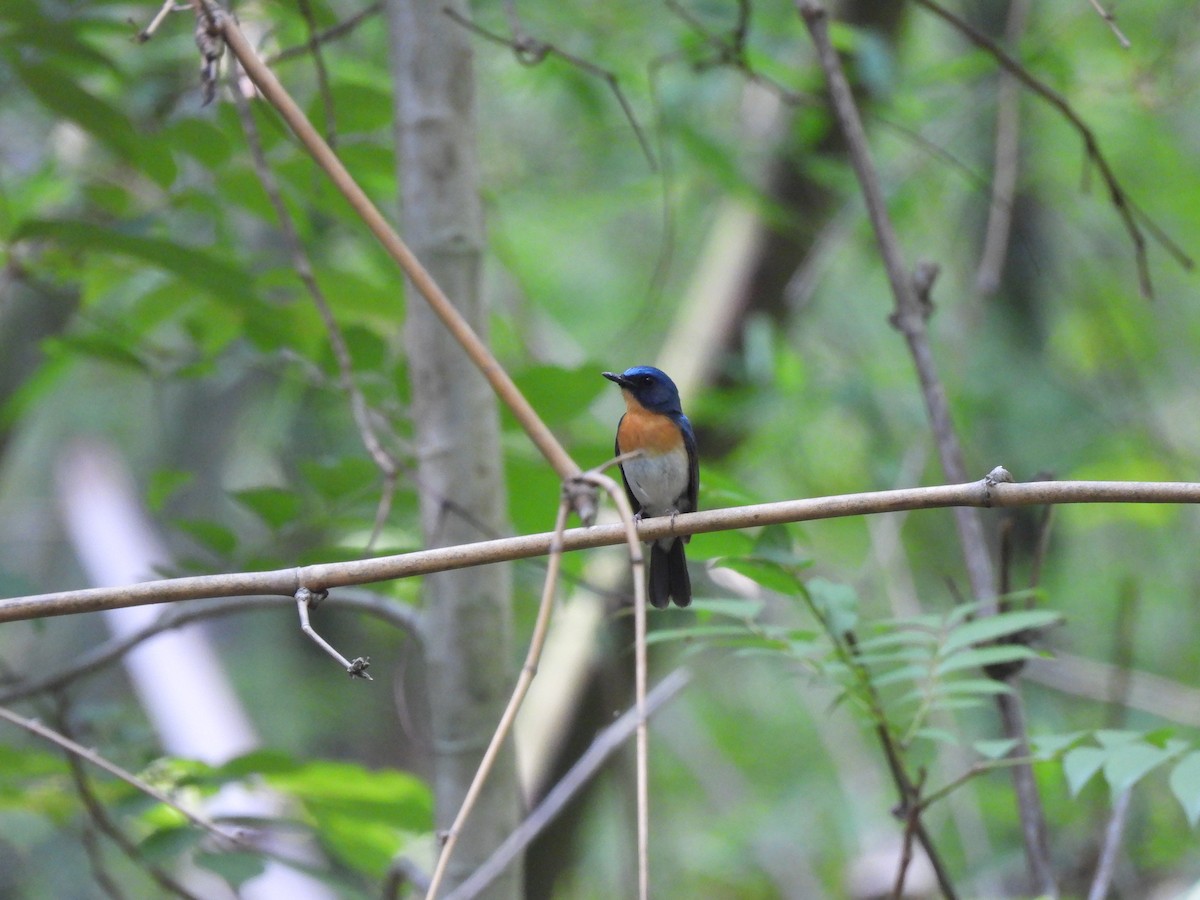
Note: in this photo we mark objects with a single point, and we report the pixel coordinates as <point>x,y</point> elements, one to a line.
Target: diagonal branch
<point>1126,209</point>
<point>78,750</point>
<point>222,25</point>
<point>579,775</point>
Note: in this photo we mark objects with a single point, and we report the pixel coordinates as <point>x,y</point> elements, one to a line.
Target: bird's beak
<point>618,379</point>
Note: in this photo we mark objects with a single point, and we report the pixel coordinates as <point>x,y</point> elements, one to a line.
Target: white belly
<point>659,483</point>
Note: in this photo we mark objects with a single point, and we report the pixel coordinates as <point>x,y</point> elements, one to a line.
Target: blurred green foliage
<point>146,297</point>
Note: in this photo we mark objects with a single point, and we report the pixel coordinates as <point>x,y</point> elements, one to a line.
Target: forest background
<point>658,183</point>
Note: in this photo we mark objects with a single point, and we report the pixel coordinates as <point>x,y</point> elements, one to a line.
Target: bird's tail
<point>669,576</point>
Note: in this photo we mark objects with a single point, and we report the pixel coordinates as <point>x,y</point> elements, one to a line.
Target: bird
<point>665,479</point>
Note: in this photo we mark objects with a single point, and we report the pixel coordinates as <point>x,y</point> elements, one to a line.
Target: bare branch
<point>323,91</point>
<point>1112,23</point>
<point>284,582</point>
<point>1126,209</point>
<point>913,307</point>
<point>398,615</point>
<point>49,734</point>
<point>479,353</point>
<point>579,775</point>
<point>540,628</point>
<point>1006,162</point>
<point>1113,834</point>
<point>341,29</point>
<point>531,51</point>
<point>105,825</point>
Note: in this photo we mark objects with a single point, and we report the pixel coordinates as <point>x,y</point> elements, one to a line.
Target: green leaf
<point>560,394</point>
<point>1111,737</point>
<point>258,762</point>
<point>59,92</point>
<point>275,506</point>
<point>771,575</point>
<point>734,608</point>
<point>211,535</point>
<point>234,866</point>
<point>1001,625</point>
<point>221,278</point>
<point>709,633</point>
<point>1049,745</point>
<point>995,749</point>
<point>904,637</point>
<point>940,735</point>
<point>386,795</point>
<point>963,686</point>
<point>1185,785</point>
<point>977,657</point>
<point>201,140</point>
<point>1080,764</point>
<point>163,484</point>
<point>1128,763</point>
<point>903,673</point>
<point>837,603</point>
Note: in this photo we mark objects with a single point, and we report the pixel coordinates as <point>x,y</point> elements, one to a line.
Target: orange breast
<point>644,430</point>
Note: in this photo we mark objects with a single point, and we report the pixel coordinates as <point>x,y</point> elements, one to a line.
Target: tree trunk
<point>468,634</point>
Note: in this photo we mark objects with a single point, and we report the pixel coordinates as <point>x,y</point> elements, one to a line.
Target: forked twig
<point>528,671</point>
<point>355,668</point>
<point>577,777</point>
<point>1129,213</point>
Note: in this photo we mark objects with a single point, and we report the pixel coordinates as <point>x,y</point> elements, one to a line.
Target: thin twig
<point>911,815</point>
<point>284,582</point>
<point>730,51</point>
<point>168,7</point>
<point>1112,23</point>
<point>1006,163</point>
<point>49,734</point>
<point>528,671</point>
<point>1113,834</point>
<point>531,51</point>
<point>476,349</point>
<point>1125,208</point>
<point>398,615</point>
<point>302,265</point>
<point>846,647</point>
<point>323,91</point>
<point>104,823</point>
<point>305,599</point>
<point>577,777</point>
<point>333,32</point>
<point>621,501</point>
<point>913,307</point>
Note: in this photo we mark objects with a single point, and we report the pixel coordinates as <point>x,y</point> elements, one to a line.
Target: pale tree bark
<point>468,634</point>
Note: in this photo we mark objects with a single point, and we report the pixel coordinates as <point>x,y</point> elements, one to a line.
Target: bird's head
<point>650,387</point>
